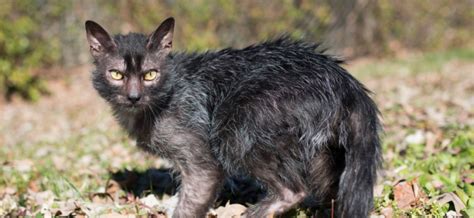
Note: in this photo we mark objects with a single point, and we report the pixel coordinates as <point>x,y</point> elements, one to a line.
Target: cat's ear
<point>99,40</point>
<point>162,39</point>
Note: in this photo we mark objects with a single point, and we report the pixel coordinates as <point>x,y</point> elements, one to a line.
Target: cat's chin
<point>130,108</point>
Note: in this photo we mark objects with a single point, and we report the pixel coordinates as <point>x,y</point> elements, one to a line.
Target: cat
<point>279,112</point>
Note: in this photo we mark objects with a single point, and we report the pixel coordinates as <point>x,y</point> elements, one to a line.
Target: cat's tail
<point>362,160</point>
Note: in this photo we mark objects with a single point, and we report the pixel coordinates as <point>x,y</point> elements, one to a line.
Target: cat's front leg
<point>200,183</point>
<point>201,173</point>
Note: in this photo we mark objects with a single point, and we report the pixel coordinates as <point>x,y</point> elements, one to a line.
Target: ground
<point>65,155</point>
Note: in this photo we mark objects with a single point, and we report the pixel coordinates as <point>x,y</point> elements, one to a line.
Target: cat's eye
<point>116,75</point>
<point>150,75</point>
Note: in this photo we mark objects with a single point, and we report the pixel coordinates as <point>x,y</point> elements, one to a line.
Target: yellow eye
<point>116,75</point>
<point>150,75</point>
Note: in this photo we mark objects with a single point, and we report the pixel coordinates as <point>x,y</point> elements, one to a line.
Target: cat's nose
<point>134,98</point>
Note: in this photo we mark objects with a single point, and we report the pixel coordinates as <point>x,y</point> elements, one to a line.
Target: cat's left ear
<point>162,38</point>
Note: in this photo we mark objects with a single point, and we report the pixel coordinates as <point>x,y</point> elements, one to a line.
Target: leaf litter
<point>65,156</point>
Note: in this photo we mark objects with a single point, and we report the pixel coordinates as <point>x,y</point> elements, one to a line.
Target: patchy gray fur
<point>279,112</point>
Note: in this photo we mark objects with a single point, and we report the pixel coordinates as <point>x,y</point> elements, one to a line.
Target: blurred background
<point>62,153</point>
<point>41,34</point>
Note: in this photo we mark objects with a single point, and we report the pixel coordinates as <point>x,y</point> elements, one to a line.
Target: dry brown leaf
<point>112,187</point>
<point>58,162</point>
<point>150,201</point>
<point>230,210</point>
<point>65,208</point>
<point>159,215</point>
<point>387,212</point>
<point>451,197</point>
<point>407,193</point>
<point>404,196</point>
<point>170,204</point>
<point>33,186</point>
<point>7,205</point>
<point>431,140</point>
<point>101,198</point>
<point>8,191</point>
<point>42,198</point>
<point>23,165</point>
<point>116,215</point>
<point>468,180</point>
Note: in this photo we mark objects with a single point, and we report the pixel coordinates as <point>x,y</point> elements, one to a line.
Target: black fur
<point>280,112</point>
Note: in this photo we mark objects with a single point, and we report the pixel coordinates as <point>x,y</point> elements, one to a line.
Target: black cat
<point>279,112</point>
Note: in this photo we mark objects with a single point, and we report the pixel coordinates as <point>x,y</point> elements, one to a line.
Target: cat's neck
<point>128,120</point>
<point>137,123</point>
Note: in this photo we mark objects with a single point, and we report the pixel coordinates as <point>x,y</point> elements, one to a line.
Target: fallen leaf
<point>33,186</point>
<point>468,180</point>
<point>112,187</point>
<point>431,140</point>
<point>42,198</point>
<point>7,205</point>
<point>450,197</point>
<point>407,193</point>
<point>387,212</point>
<point>230,210</point>
<point>150,201</point>
<point>403,194</point>
<point>101,198</point>
<point>116,215</point>
<point>8,191</point>
<point>452,214</point>
<point>64,208</point>
<point>23,165</point>
<point>170,204</point>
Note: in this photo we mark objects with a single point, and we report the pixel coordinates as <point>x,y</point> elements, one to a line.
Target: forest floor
<point>65,154</point>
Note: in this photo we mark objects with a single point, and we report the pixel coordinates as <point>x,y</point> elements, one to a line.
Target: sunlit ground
<point>58,154</point>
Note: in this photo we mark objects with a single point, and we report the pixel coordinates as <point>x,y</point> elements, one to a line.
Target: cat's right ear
<point>99,40</point>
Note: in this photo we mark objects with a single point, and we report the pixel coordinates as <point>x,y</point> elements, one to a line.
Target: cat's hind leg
<point>285,188</point>
<point>277,201</point>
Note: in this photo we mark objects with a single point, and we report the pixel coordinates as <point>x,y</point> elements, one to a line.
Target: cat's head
<point>129,68</point>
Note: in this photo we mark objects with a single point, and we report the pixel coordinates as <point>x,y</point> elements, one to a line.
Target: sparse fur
<point>280,112</point>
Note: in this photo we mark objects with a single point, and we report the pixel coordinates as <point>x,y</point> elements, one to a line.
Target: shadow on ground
<point>161,182</point>
<point>236,190</point>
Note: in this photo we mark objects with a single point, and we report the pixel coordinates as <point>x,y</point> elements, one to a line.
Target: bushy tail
<point>362,160</point>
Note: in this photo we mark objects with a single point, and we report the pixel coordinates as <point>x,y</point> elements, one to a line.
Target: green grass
<point>415,64</point>
<point>78,162</point>
<point>437,173</point>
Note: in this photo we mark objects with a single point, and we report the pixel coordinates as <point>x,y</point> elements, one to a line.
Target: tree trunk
<point>355,30</point>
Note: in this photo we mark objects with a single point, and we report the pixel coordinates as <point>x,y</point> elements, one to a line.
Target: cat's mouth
<point>131,106</point>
